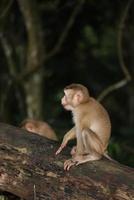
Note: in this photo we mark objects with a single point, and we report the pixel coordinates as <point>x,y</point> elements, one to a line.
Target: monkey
<point>92,126</point>
<point>39,127</point>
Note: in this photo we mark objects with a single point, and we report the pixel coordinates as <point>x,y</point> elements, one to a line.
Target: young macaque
<point>92,126</point>
<point>39,127</point>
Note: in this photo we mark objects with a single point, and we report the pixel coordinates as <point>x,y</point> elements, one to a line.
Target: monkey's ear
<point>79,96</point>
<point>29,126</point>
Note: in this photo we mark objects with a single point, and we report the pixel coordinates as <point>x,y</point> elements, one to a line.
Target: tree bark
<point>30,170</point>
<point>35,55</point>
<point>34,91</point>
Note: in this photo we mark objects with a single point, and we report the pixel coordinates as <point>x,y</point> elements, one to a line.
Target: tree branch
<point>34,37</point>
<point>119,43</point>
<point>30,170</point>
<point>36,52</point>
<point>8,51</point>
<point>66,30</point>
<point>123,66</point>
<point>111,88</point>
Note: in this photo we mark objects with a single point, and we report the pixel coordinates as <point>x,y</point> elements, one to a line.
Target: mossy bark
<point>30,170</point>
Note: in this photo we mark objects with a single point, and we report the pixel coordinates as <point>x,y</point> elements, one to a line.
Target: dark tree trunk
<point>34,72</point>
<point>30,170</point>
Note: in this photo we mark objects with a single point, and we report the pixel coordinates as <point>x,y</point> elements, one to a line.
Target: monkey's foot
<point>69,163</point>
<point>73,151</point>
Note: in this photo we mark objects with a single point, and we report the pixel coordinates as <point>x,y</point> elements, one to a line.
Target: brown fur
<point>40,127</point>
<point>92,126</point>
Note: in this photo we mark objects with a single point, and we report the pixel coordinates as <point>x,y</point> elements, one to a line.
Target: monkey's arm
<point>68,136</point>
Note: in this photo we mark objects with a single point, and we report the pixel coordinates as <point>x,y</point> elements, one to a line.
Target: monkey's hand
<point>68,136</point>
<point>63,145</point>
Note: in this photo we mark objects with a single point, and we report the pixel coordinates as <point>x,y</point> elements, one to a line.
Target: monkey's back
<point>94,116</point>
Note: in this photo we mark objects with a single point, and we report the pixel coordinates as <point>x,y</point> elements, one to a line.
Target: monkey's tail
<point>109,158</point>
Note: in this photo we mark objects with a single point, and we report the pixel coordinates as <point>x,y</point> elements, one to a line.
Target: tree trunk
<point>35,54</point>
<point>34,91</point>
<point>30,170</point>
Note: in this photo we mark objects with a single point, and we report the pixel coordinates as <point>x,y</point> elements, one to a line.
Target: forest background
<point>46,45</point>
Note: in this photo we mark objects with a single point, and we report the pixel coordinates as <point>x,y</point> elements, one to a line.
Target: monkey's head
<point>74,95</point>
<point>29,125</point>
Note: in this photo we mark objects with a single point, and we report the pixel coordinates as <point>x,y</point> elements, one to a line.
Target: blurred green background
<point>45,45</point>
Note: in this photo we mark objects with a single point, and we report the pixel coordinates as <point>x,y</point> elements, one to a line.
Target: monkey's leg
<point>89,148</point>
<point>92,147</point>
<point>68,136</point>
<point>92,143</point>
<point>89,153</point>
<point>87,158</point>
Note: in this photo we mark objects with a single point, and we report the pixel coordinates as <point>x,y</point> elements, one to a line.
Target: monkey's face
<point>71,99</point>
<point>66,101</point>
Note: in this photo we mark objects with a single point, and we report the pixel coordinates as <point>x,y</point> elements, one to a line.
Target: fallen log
<point>30,170</point>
